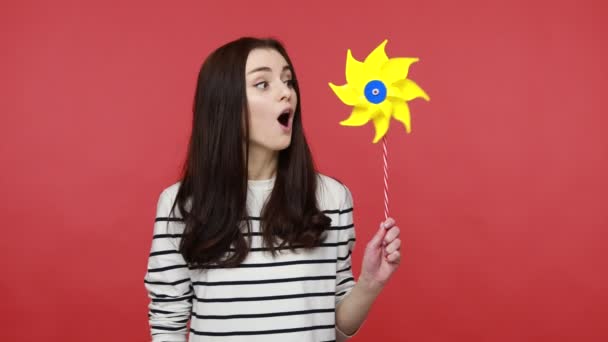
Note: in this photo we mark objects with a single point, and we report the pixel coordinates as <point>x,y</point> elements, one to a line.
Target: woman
<point>253,244</point>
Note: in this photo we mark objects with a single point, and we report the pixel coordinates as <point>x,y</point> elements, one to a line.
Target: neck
<point>262,164</point>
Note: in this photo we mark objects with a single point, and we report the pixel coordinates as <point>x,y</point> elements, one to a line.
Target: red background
<point>500,190</point>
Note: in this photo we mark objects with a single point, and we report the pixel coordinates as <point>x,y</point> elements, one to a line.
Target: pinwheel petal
<point>402,114</point>
<point>393,93</point>
<point>396,69</point>
<point>381,124</point>
<point>386,107</point>
<point>360,116</point>
<point>375,60</point>
<point>410,90</point>
<point>345,93</point>
<point>355,71</point>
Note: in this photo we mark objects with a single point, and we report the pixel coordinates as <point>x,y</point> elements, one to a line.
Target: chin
<point>274,145</point>
<point>283,144</point>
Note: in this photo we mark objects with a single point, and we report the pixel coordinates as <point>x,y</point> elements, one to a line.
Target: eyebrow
<point>264,68</point>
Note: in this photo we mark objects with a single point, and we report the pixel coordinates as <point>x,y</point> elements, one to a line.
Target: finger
<point>391,235</point>
<point>393,246</point>
<point>388,223</point>
<point>394,258</point>
<point>378,237</point>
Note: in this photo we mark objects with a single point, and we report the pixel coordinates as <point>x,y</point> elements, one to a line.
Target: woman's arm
<point>167,279</point>
<point>353,309</point>
<point>380,260</point>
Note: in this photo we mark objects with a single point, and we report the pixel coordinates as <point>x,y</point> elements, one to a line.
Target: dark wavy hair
<point>213,191</point>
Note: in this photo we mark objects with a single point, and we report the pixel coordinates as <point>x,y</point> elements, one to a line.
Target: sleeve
<point>167,279</point>
<point>346,244</point>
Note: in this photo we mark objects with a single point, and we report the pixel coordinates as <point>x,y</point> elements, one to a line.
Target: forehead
<point>265,58</point>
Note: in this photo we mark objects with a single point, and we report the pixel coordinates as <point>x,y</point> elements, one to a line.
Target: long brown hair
<point>213,191</point>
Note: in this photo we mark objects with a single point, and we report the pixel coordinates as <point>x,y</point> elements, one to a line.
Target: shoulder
<point>167,198</point>
<point>330,184</point>
<point>332,193</point>
<point>171,190</point>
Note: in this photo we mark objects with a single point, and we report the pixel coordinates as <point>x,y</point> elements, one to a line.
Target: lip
<point>286,109</point>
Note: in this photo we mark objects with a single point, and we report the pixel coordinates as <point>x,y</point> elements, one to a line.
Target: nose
<point>285,91</point>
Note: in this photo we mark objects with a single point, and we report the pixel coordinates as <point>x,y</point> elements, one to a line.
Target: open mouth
<point>284,118</point>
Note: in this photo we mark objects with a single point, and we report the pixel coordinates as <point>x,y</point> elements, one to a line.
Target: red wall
<point>500,190</point>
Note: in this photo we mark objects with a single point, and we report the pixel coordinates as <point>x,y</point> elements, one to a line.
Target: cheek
<point>261,107</point>
<point>256,107</point>
<point>259,118</point>
<point>255,124</point>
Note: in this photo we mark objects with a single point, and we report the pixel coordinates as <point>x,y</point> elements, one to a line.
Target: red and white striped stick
<point>385,156</point>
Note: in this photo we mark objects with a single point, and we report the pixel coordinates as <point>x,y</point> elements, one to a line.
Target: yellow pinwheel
<point>379,89</point>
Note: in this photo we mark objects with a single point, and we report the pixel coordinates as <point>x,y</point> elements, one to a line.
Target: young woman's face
<point>271,98</point>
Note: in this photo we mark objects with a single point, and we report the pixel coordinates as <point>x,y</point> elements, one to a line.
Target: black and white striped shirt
<point>290,297</point>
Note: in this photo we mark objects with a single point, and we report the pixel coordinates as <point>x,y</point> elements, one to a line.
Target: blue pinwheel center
<point>375,91</point>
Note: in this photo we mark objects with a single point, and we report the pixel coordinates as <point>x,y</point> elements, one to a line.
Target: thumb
<point>376,240</point>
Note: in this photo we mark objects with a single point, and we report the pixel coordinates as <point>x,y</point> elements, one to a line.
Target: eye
<point>290,83</point>
<point>261,85</point>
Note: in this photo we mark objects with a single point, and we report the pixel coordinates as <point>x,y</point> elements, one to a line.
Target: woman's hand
<point>382,256</point>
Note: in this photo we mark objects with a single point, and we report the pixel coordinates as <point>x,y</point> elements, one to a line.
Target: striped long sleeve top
<point>289,297</point>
